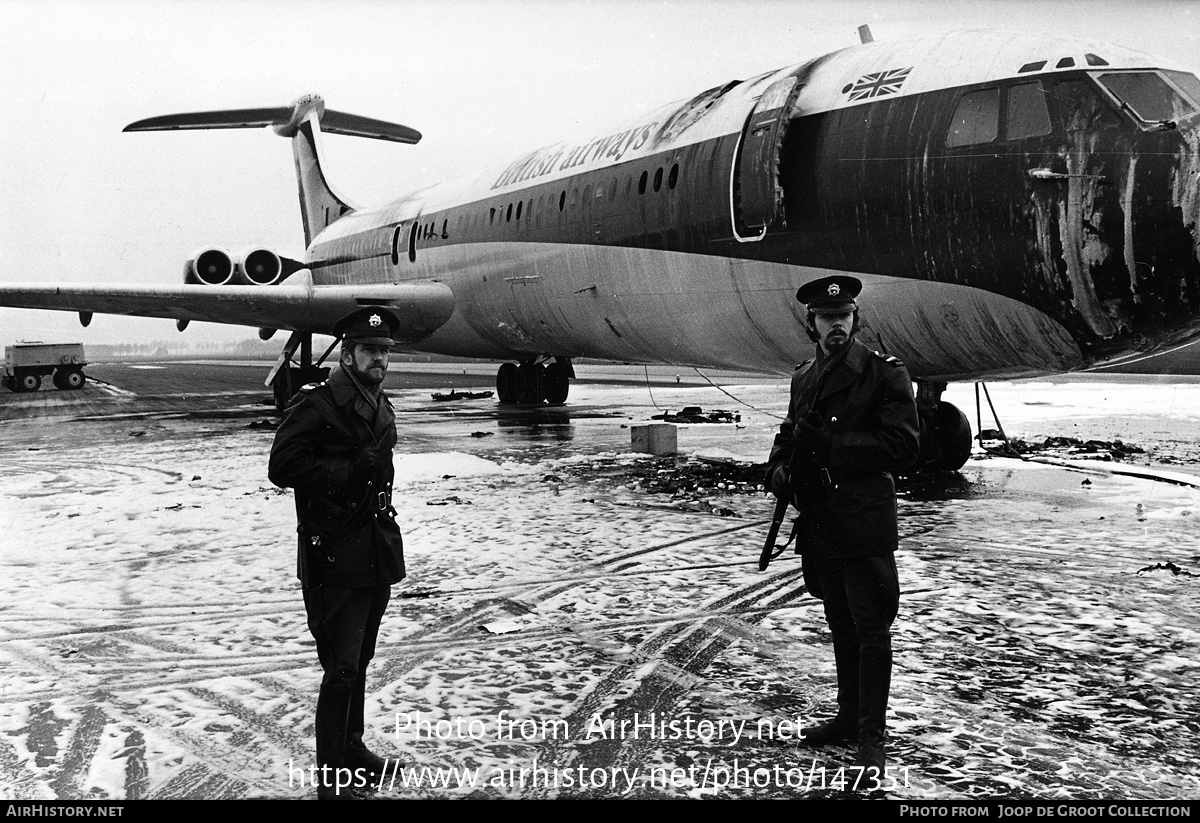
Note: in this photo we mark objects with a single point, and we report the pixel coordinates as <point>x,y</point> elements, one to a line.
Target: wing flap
<point>421,307</point>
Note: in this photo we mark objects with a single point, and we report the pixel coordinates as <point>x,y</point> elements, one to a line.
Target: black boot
<point>844,727</point>
<point>875,681</point>
<point>358,757</point>
<point>872,760</point>
<point>333,705</point>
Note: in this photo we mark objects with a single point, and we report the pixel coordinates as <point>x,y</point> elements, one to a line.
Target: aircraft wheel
<point>506,383</point>
<point>953,433</point>
<point>28,381</point>
<point>530,384</point>
<point>557,384</point>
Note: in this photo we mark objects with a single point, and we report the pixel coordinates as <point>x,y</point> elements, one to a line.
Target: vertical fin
<point>320,205</point>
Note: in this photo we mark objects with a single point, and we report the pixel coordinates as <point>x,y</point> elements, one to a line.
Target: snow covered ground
<point>566,632</point>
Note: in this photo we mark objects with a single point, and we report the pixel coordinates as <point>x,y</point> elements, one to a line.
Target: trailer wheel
<point>28,381</point>
<point>70,379</point>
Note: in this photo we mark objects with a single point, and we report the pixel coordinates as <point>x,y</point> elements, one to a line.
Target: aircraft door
<point>757,195</point>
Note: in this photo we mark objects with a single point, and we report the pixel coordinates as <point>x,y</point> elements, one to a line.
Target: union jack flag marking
<point>878,84</point>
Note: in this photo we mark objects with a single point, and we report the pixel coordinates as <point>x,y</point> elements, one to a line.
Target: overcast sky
<point>482,81</point>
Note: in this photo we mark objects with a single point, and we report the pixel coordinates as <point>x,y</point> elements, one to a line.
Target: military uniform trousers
<point>345,624</point>
<point>861,596</point>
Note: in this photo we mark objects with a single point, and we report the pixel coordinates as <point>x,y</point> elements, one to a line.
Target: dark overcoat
<point>866,404</point>
<point>348,535</point>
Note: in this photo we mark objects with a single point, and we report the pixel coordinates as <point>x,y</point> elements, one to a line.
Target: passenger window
<point>1027,112</point>
<point>976,119</point>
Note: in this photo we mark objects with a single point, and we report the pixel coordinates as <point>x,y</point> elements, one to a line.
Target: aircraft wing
<point>421,307</point>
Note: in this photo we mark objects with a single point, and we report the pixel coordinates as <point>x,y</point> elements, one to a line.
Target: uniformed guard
<point>334,447</point>
<point>852,422</point>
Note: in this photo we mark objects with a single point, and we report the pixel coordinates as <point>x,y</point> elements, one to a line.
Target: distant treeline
<point>249,349</point>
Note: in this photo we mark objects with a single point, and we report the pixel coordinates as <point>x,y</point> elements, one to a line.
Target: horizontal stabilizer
<point>231,119</point>
<point>338,122</point>
<point>285,120</point>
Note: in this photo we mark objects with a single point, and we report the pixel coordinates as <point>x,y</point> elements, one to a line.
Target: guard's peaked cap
<point>830,295</point>
<point>373,325</point>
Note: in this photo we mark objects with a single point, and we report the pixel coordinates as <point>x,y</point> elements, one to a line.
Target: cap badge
<point>834,289</point>
<point>375,320</point>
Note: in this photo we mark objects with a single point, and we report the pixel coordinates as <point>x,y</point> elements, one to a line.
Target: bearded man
<point>852,421</point>
<point>334,447</point>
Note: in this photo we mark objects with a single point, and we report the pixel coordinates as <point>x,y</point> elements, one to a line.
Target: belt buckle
<point>383,501</point>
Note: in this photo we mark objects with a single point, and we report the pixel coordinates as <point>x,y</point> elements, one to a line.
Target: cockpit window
<point>1148,95</point>
<point>1027,114</point>
<point>976,119</point>
<point>1187,82</point>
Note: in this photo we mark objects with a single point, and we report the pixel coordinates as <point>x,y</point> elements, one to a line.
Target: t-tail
<point>302,121</point>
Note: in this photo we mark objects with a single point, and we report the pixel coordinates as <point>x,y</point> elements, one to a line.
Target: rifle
<point>770,550</point>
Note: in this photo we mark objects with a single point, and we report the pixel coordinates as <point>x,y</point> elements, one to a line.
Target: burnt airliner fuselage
<point>1013,207</point>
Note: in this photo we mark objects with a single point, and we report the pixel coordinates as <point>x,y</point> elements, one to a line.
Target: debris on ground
<point>685,483</point>
<point>461,395</point>
<point>1069,447</point>
<point>695,414</point>
<point>1168,566</point>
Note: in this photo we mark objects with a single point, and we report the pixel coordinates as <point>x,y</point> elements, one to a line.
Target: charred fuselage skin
<point>1093,222</point>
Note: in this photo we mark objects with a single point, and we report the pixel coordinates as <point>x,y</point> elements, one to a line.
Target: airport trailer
<point>26,363</point>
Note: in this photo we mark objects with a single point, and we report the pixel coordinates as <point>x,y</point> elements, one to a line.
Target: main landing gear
<point>945,430</point>
<point>534,383</point>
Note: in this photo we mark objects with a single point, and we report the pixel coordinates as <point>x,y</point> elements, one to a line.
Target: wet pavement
<point>584,621</point>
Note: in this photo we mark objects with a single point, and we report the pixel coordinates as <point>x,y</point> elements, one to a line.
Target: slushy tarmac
<point>568,629</point>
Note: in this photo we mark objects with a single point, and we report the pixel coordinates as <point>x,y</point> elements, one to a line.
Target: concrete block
<point>655,438</point>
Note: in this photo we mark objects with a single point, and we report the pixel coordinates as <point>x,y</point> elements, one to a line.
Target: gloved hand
<point>812,438</point>
<point>367,461</point>
<point>780,483</point>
